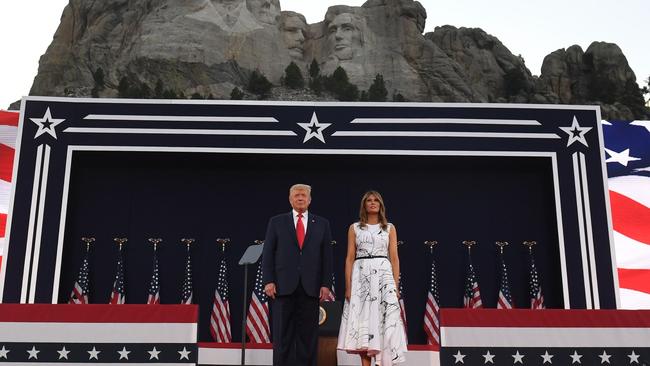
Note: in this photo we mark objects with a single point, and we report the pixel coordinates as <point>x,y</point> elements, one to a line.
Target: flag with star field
<point>548,337</point>
<point>103,334</point>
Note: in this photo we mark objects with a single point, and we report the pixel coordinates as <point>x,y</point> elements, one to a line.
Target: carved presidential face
<point>294,30</point>
<point>345,34</point>
<point>265,11</point>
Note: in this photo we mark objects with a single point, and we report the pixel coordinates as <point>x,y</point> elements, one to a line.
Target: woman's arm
<point>349,261</point>
<point>392,254</point>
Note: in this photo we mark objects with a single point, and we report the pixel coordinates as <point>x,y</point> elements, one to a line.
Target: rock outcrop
<point>208,47</point>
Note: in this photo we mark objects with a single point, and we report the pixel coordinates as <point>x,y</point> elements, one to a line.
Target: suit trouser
<point>295,328</point>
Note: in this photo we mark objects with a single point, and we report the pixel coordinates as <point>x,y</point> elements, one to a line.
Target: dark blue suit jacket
<point>285,264</point>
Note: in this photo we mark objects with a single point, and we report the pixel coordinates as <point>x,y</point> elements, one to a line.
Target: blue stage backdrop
<point>208,170</point>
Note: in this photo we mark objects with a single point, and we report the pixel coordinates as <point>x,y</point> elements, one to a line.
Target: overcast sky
<point>530,28</point>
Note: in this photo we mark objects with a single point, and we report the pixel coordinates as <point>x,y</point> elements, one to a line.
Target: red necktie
<point>300,231</point>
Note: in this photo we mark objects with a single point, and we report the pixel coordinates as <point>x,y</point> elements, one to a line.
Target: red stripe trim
<point>635,279</point>
<point>9,118</point>
<point>545,318</point>
<point>236,345</point>
<point>6,162</point>
<point>96,313</point>
<point>423,347</point>
<point>3,225</point>
<point>630,217</point>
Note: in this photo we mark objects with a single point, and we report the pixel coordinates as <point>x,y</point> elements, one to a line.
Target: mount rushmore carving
<point>209,47</point>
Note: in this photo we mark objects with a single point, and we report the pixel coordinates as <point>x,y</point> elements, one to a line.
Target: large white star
<point>547,357</point>
<point>33,353</point>
<point>314,129</point>
<point>518,358</point>
<point>63,353</point>
<point>3,352</point>
<point>622,158</point>
<point>93,353</point>
<point>575,357</point>
<point>576,133</point>
<point>153,354</point>
<point>185,354</point>
<point>124,354</point>
<point>489,358</point>
<point>645,124</point>
<point>634,358</point>
<point>459,357</point>
<point>604,357</point>
<point>46,124</point>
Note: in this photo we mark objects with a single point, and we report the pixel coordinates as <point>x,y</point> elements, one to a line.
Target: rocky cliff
<point>209,47</point>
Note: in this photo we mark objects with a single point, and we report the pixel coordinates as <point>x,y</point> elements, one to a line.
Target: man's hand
<point>324,293</point>
<point>269,290</point>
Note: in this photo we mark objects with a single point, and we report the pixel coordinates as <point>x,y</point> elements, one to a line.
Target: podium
<point>329,321</point>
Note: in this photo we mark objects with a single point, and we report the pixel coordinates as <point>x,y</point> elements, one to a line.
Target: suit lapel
<point>292,228</point>
<point>310,227</point>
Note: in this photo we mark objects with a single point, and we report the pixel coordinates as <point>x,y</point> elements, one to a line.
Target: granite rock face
<point>208,47</point>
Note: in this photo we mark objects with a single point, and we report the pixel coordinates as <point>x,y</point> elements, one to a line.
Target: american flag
<point>220,316</point>
<point>186,297</point>
<point>432,309</point>
<point>257,319</point>
<point>8,130</point>
<point>118,295</point>
<point>505,298</point>
<point>627,148</point>
<point>81,287</point>
<point>536,297</point>
<point>154,285</point>
<point>402,306</point>
<point>332,295</point>
<point>472,296</point>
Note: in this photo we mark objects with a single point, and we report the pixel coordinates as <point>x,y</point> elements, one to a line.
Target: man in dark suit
<point>297,263</point>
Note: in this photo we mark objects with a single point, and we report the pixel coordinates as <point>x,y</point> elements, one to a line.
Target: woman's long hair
<point>363,214</point>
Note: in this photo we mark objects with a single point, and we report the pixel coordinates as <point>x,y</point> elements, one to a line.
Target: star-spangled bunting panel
<point>544,338</point>
<point>101,334</point>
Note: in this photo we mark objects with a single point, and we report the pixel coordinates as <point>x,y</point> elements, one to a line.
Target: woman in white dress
<point>371,325</point>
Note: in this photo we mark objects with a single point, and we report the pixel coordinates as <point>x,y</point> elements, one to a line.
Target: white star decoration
<point>46,124</point>
<point>314,129</point>
<point>547,357</point>
<point>489,358</point>
<point>459,357</point>
<point>3,352</point>
<point>63,353</point>
<point>634,358</point>
<point>153,354</point>
<point>33,353</point>
<point>645,124</point>
<point>604,358</point>
<point>575,357</point>
<point>185,354</point>
<point>518,358</point>
<point>124,354</point>
<point>93,353</point>
<point>576,133</point>
<point>622,158</point>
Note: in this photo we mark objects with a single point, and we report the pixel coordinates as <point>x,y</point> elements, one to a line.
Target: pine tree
<point>236,94</point>
<point>293,77</point>
<point>258,84</point>
<point>377,91</point>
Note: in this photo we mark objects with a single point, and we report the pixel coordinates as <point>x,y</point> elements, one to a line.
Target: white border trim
<point>589,229</point>
<point>174,131</point>
<point>30,227</point>
<point>144,117</point>
<point>560,234</point>
<point>462,121</point>
<point>526,154</point>
<point>507,135</point>
<point>42,194</point>
<point>581,231</point>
